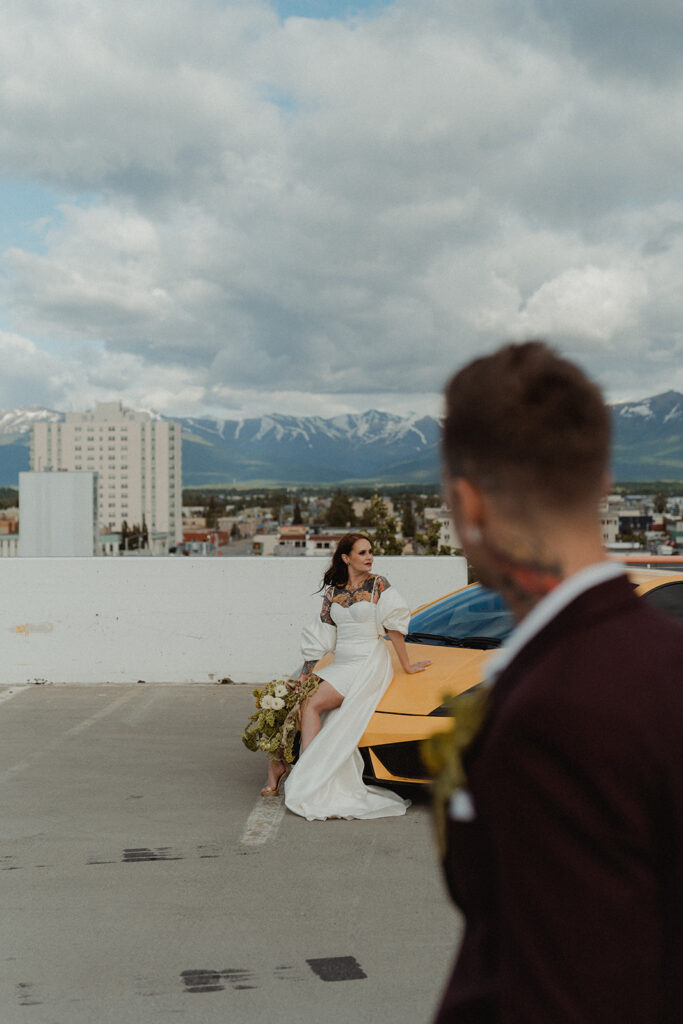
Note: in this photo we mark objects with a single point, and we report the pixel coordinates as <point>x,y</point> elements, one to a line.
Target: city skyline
<point>314,207</point>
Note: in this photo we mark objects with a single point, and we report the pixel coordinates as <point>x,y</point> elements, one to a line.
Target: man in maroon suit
<point>565,844</point>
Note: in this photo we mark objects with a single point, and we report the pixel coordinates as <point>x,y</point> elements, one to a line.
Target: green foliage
<point>632,537</point>
<point>9,497</point>
<point>433,500</point>
<point>276,500</point>
<point>133,537</point>
<point>297,518</point>
<point>212,510</point>
<point>429,541</point>
<point>660,501</point>
<point>273,726</point>
<point>384,541</point>
<point>648,487</point>
<point>408,524</point>
<point>340,512</point>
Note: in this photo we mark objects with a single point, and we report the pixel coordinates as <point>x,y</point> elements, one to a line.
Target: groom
<point>565,846</point>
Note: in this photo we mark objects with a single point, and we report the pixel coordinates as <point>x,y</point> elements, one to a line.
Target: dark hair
<point>337,573</point>
<point>524,419</point>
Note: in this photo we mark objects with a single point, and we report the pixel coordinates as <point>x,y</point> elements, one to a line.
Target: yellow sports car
<point>457,633</point>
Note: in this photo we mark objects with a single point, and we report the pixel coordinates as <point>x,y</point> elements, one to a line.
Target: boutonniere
<point>443,753</point>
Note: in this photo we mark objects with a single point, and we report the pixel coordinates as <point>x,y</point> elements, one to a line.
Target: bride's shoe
<point>275,790</point>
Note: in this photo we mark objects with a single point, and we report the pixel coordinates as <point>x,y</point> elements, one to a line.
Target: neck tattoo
<point>524,582</point>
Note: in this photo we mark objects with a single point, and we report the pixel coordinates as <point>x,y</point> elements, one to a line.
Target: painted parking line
<point>263,823</point>
<point>75,730</point>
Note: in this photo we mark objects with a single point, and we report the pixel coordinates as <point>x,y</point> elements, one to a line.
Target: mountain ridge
<point>371,447</point>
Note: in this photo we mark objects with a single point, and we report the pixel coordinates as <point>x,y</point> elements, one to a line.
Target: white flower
<point>277,703</point>
<point>267,701</point>
<point>280,690</point>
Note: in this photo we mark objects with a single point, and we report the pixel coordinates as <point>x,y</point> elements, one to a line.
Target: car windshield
<point>474,612</point>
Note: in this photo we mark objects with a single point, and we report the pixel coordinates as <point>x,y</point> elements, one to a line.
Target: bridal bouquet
<point>274,724</point>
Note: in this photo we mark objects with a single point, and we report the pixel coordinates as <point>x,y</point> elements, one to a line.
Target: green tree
<point>133,538</point>
<point>277,500</point>
<point>9,497</point>
<point>385,541</point>
<point>144,534</point>
<point>297,518</point>
<point>633,537</point>
<point>340,511</point>
<point>429,541</point>
<point>660,501</point>
<point>408,524</point>
<point>125,533</point>
<point>235,532</point>
<point>212,510</point>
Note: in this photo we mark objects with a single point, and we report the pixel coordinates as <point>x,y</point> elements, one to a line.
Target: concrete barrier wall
<point>96,620</point>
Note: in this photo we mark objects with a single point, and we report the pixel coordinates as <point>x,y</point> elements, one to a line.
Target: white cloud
<point>326,212</point>
<point>590,303</point>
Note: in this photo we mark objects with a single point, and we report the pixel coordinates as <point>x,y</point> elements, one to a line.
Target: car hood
<point>453,670</point>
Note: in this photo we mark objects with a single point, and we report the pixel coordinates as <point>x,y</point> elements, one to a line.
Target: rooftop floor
<point>144,880</point>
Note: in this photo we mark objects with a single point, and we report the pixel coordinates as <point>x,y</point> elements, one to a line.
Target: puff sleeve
<point>317,638</point>
<point>392,612</point>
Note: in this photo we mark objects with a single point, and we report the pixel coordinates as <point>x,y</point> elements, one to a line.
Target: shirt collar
<point>547,609</point>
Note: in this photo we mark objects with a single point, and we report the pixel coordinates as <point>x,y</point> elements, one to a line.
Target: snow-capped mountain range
<point>370,447</point>
<point>373,446</point>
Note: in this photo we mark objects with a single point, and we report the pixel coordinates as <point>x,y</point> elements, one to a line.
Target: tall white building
<point>138,460</point>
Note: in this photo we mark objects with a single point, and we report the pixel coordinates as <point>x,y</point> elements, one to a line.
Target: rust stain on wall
<point>33,627</point>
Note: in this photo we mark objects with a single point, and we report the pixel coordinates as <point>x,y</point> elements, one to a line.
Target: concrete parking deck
<point>143,879</point>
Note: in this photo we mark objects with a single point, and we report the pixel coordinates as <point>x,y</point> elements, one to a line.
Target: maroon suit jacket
<point>570,875</point>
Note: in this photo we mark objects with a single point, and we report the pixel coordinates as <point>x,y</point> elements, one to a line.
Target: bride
<point>358,609</point>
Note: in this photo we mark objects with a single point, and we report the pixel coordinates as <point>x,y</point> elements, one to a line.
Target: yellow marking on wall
<point>27,628</point>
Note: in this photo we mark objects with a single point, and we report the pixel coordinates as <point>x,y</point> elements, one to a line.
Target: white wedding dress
<point>326,781</point>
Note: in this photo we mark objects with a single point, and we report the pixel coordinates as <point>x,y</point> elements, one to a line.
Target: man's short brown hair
<point>524,419</point>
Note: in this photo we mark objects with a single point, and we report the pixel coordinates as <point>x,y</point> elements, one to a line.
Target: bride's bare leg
<point>275,770</point>
<point>325,698</point>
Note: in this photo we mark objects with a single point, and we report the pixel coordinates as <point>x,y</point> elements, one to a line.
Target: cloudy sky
<point>230,207</point>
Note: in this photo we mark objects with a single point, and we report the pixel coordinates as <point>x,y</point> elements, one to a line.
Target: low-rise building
<point>323,542</point>
<point>449,535</point>
<point>265,543</point>
<point>292,541</point>
<point>193,522</point>
<point>9,521</point>
<point>9,545</point>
